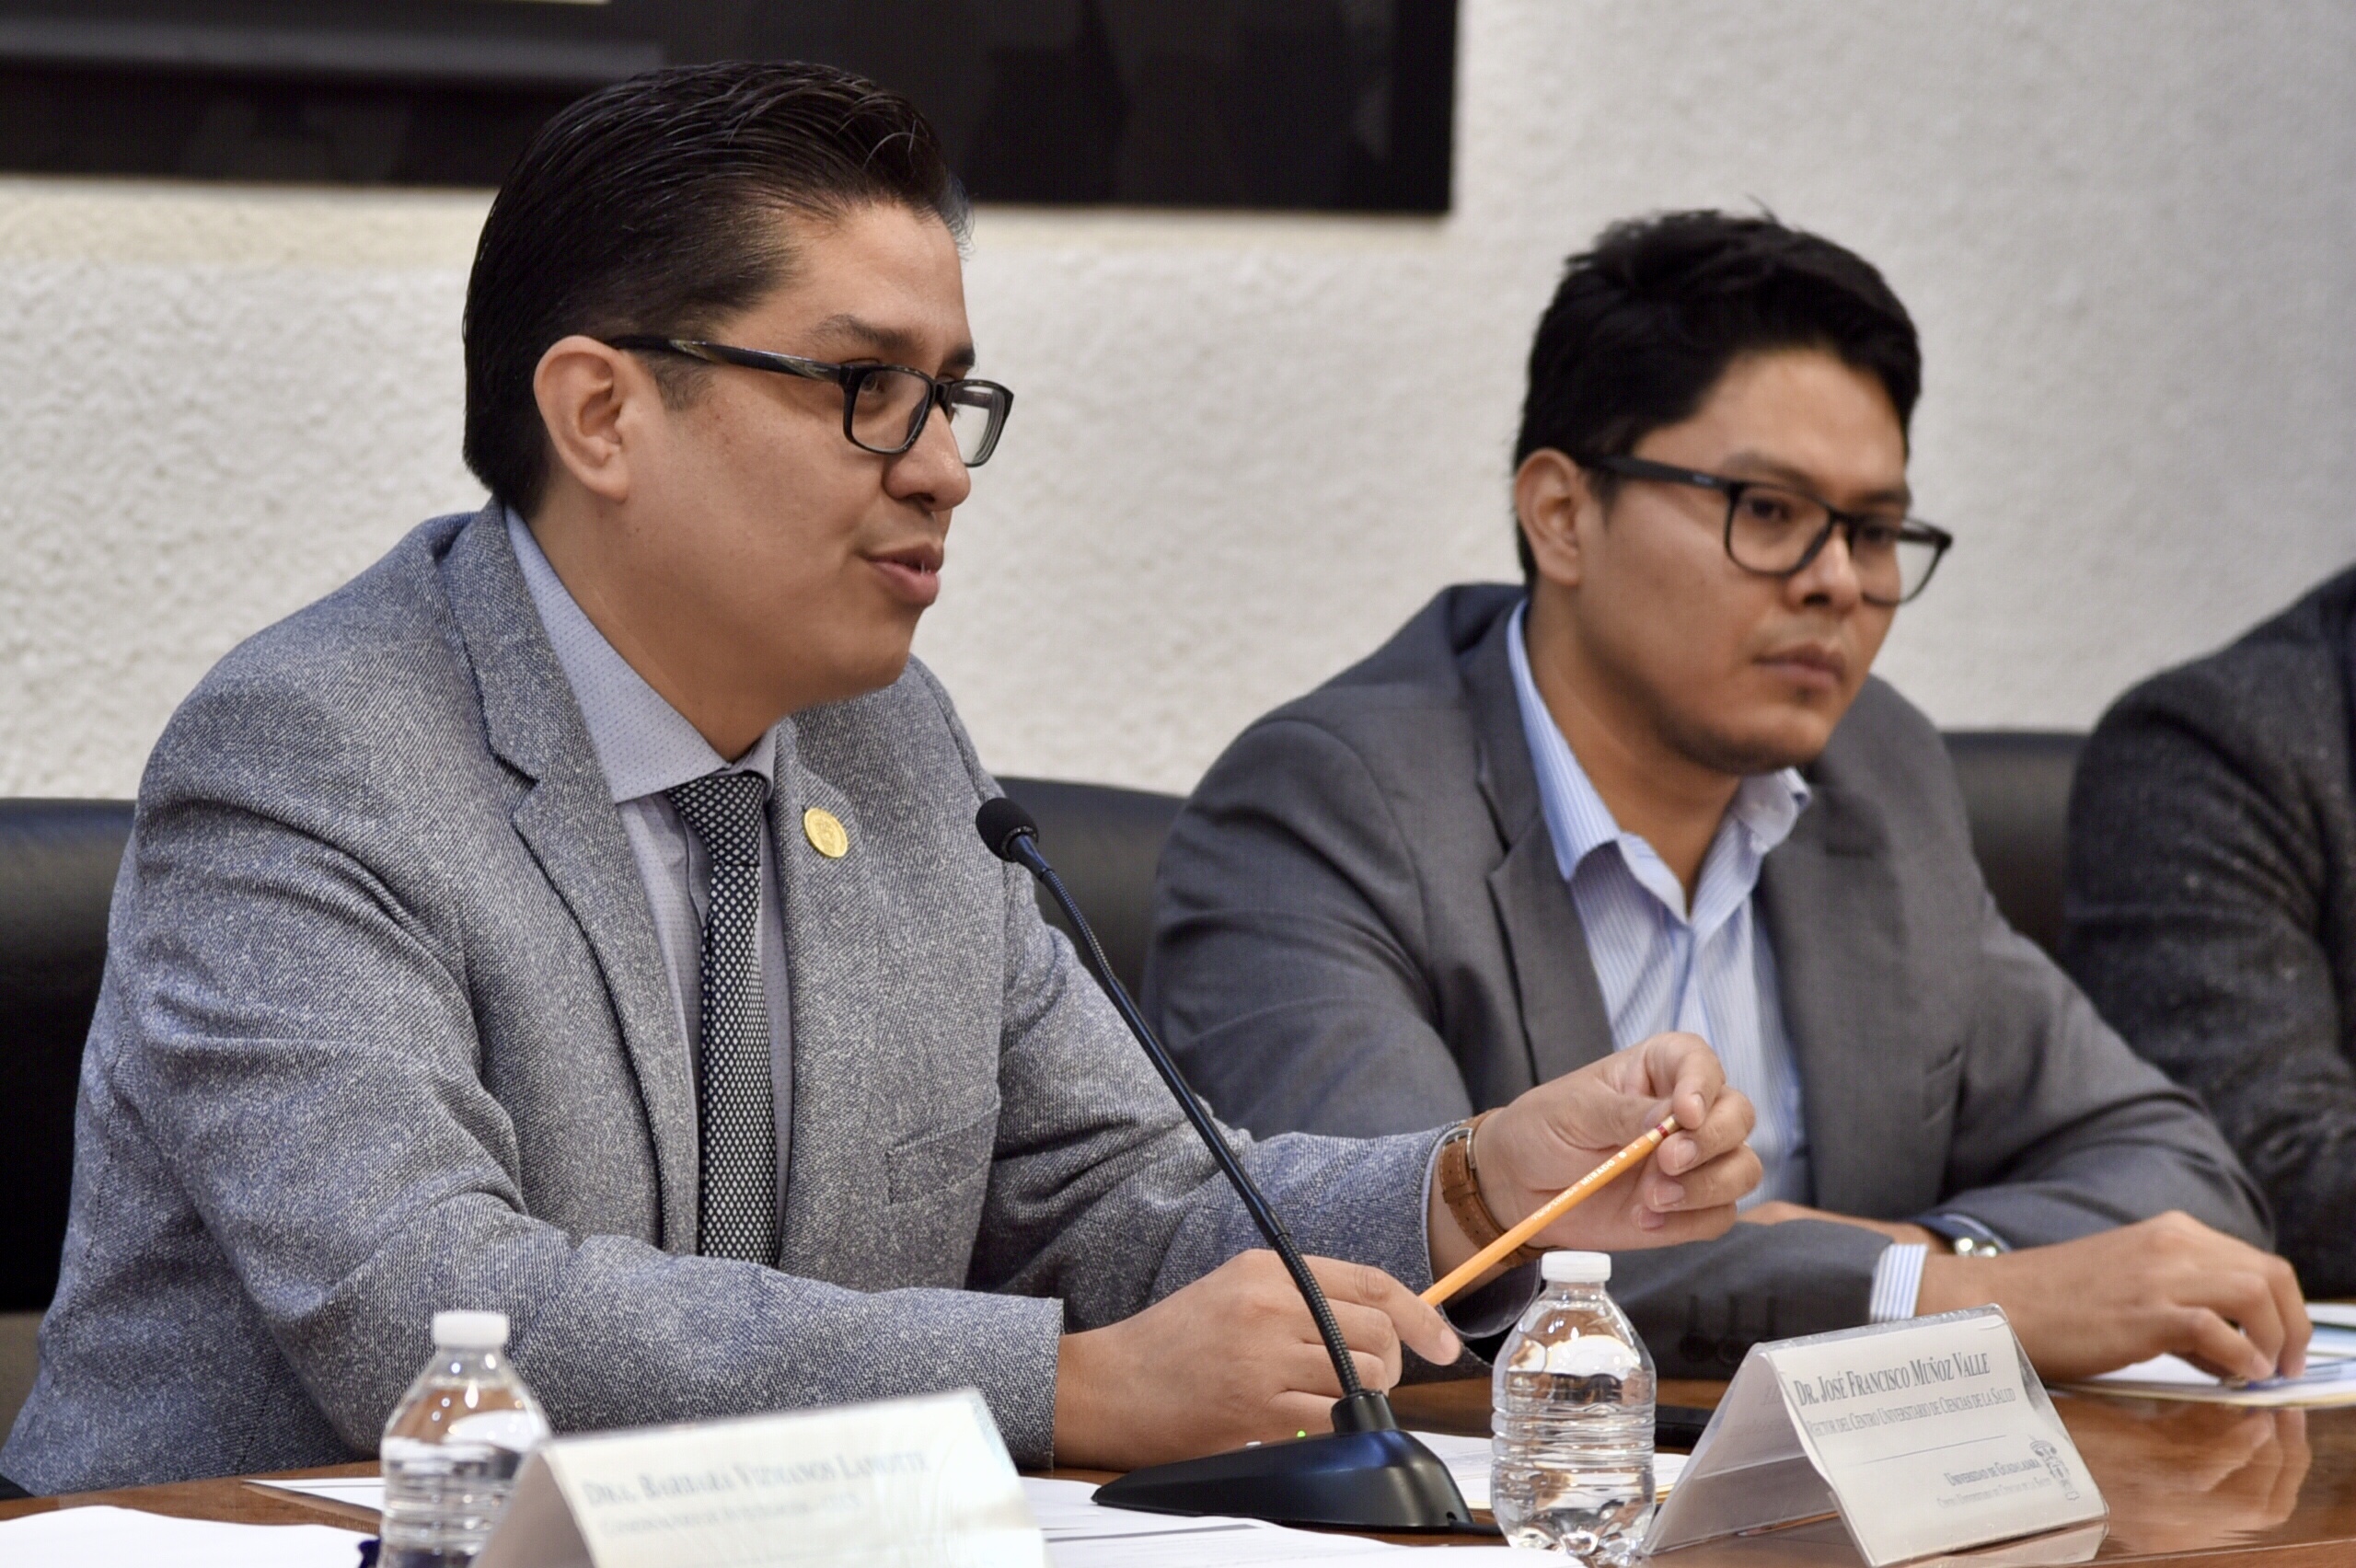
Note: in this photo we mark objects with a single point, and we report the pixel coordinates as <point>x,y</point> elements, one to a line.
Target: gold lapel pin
<point>824,831</point>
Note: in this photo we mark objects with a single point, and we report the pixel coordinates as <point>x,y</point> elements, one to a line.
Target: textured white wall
<point>1247,446</point>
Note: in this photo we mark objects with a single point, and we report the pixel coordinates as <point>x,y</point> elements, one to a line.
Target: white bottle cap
<point>1575,1268</point>
<point>470,1331</point>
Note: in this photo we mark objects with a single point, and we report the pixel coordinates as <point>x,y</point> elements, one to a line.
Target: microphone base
<point>1374,1477</point>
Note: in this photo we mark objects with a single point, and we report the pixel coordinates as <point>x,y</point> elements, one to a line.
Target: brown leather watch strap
<point>1460,1189</point>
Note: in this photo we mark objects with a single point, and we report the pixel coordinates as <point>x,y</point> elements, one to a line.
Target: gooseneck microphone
<point>1366,1473</point>
<point>1012,836</point>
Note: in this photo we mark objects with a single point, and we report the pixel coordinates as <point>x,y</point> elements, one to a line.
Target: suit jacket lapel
<point>836,1191</point>
<point>568,822</point>
<point>1833,913</point>
<point>1563,1021</point>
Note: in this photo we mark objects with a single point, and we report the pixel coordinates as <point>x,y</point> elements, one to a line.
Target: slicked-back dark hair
<point>650,206</point>
<point>1644,324</point>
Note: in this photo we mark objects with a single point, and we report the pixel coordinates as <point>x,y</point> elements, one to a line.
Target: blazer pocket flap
<point>942,1160</point>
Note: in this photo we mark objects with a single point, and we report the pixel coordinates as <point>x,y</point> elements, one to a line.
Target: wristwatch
<point>1459,1181</point>
<point>1965,1238</point>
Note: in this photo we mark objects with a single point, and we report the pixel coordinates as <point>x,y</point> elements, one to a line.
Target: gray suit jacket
<point>2212,905</point>
<point>385,1029</point>
<point>1360,928</point>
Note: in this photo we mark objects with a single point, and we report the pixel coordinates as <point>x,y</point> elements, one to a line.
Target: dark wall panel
<point>1332,104</point>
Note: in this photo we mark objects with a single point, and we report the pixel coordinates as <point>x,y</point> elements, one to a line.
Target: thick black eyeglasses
<point>1775,530</point>
<point>884,406</point>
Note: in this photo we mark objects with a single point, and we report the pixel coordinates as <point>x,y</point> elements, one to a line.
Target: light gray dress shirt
<point>1708,969</point>
<point>646,746</point>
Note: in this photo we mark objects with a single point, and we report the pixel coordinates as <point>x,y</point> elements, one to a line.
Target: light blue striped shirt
<point>1707,970</point>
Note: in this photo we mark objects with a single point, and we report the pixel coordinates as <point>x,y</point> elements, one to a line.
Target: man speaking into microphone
<point>578,914</point>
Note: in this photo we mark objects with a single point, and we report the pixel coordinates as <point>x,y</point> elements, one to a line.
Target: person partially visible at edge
<point>2211,907</point>
<point>1653,787</point>
<point>580,915</point>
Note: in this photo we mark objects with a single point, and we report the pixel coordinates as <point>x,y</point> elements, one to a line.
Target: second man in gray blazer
<point>1656,789</point>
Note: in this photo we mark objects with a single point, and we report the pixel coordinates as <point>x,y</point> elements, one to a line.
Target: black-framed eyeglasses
<point>1775,530</point>
<point>884,406</point>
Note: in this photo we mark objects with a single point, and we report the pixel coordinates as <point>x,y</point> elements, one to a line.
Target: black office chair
<point>57,865</point>
<point>2016,793</point>
<point>1103,842</point>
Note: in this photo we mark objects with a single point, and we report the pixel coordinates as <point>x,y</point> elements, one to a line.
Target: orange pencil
<point>1546,1214</point>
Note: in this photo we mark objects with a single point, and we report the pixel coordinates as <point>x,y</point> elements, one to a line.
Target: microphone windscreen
<point>1000,822</point>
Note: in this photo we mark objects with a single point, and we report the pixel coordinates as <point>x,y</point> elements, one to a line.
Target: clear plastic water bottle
<point>1571,1458</point>
<point>452,1448</point>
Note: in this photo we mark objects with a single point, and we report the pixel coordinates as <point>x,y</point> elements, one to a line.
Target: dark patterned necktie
<point>736,1212</point>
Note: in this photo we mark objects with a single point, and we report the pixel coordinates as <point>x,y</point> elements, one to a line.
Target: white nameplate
<point>1925,1436</point>
<point>906,1481</point>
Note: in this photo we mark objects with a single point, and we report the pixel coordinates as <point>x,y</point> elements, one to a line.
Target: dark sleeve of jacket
<point>2052,1128</point>
<point>2209,850</point>
<point>2059,1131</point>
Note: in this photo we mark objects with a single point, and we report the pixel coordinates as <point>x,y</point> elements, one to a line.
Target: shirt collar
<point>1766,805</point>
<point>644,744</point>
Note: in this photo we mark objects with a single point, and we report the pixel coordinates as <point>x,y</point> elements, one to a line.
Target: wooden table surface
<point>2188,1483</point>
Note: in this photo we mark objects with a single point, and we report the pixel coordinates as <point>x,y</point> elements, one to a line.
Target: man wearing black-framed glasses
<point>1776,530</point>
<point>1653,789</point>
<point>886,407</point>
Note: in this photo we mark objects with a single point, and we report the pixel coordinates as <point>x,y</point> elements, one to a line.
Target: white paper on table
<point>360,1491</point>
<point>1084,1534</point>
<point>2326,1382</point>
<point>125,1538</point>
<point>2332,1342</point>
<point>1467,1459</point>
<point>2335,1340</point>
<point>2159,1369</point>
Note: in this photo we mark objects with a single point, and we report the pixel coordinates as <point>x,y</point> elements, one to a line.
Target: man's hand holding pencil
<point>1679,1186</point>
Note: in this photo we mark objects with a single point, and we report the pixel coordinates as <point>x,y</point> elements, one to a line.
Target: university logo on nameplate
<point>903,1482</point>
<point>1925,1436</point>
